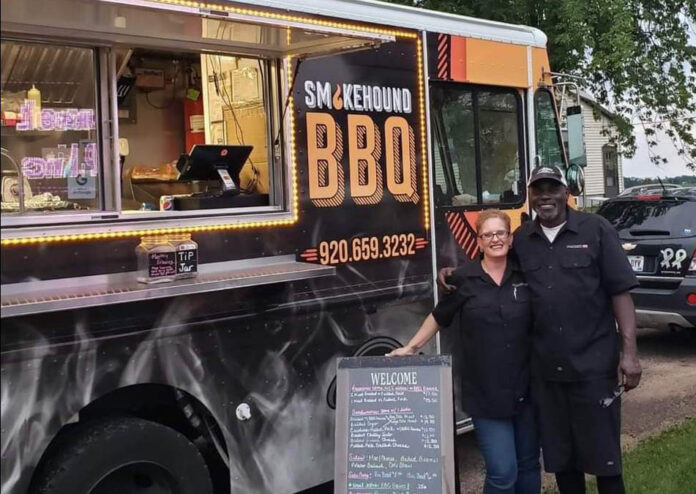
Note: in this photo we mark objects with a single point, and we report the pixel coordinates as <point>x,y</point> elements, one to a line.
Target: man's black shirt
<point>572,281</point>
<point>496,326</point>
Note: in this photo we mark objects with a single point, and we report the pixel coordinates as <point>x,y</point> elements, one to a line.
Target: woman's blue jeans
<point>510,448</point>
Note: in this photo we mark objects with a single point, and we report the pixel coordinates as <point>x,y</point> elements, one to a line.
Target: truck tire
<point>123,455</point>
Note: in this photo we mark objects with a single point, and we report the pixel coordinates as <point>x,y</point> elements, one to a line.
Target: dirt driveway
<point>667,394</point>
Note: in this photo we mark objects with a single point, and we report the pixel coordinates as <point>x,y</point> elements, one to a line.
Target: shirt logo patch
<point>628,246</point>
<point>578,246</point>
<point>515,286</point>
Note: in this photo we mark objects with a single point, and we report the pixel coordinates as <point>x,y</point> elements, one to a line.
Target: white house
<point>604,172</point>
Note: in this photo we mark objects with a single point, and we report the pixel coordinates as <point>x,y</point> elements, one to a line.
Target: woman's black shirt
<point>496,324</point>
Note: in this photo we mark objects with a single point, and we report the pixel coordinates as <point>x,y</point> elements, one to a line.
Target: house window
<point>611,166</point>
<point>50,132</point>
<point>477,146</point>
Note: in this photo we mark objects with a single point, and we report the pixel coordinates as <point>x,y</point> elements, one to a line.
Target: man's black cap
<point>547,173</point>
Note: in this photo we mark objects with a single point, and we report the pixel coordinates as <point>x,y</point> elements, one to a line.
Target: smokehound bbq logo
<point>358,97</point>
<point>378,156</point>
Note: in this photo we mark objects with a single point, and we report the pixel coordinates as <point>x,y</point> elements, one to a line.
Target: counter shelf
<point>90,291</point>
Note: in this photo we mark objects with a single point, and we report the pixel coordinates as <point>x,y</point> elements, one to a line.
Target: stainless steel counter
<point>89,291</point>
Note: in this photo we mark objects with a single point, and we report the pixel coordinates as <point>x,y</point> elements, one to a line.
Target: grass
<point>664,464</point>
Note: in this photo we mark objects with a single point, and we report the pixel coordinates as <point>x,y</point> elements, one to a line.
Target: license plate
<point>636,262</point>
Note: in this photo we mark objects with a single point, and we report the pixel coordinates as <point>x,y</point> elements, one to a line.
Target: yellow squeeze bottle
<point>35,95</point>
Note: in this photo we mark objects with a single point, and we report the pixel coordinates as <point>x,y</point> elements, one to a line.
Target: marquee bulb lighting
<point>423,134</point>
<point>290,18</point>
<point>48,239</point>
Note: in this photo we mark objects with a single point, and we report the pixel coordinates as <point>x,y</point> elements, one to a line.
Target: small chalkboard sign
<point>187,261</point>
<point>394,426</point>
<point>161,264</point>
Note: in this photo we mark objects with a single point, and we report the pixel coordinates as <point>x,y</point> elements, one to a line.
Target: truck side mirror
<point>575,176</point>
<point>576,139</point>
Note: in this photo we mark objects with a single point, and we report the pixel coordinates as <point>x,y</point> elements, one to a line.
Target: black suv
<point>657,228</point>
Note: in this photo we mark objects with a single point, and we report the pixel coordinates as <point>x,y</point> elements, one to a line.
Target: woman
<point>494,307</point>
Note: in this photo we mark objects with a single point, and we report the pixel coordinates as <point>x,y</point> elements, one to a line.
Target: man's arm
<point>625,314</point>
<point>442,280</point>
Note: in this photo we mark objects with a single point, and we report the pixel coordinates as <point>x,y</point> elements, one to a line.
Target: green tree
<point>634,56</point>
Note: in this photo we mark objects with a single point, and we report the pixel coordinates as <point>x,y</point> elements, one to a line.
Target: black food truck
<point>204,205</point>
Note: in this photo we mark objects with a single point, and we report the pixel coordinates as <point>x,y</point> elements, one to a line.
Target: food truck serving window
<point>170,114</point>
<point>50,146</point>
<point>195,130</point>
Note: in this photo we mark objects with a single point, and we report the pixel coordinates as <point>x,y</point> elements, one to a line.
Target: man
<point>580,279</point>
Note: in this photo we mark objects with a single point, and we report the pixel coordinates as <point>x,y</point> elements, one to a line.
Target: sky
<point>641,166</point>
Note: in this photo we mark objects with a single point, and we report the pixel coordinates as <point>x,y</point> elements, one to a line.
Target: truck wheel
<point>124,455</point>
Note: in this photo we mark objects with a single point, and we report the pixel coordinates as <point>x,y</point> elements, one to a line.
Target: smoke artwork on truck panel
<point>33,406</point>
<point>291,413</point>
<point>284,382</point>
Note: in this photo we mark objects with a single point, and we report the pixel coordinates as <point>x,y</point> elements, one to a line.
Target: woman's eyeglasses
<point>501,234</point>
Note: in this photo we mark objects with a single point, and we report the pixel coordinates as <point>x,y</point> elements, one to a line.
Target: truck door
<point>478,162</point>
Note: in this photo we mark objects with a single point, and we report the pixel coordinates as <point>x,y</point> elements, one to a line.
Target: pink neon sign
<point>52,119</point>
<point>62,166</point>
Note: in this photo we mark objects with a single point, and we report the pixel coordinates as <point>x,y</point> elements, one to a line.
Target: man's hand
<point>401,352</point>
<point>629,371</point>
<point>442,276</point>
<point>629,366</point>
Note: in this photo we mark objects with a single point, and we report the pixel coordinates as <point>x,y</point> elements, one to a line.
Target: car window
<point>675,218</point>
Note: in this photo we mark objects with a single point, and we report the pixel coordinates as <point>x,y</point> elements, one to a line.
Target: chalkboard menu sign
<point>394,426</point>
<point>161,264</point>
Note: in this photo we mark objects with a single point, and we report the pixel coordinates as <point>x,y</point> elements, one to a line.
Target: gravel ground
<point>667,394</point>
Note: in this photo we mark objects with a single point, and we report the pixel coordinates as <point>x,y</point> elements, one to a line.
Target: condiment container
<point>35,95</point>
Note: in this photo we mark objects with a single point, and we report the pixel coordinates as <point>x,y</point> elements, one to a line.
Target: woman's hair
<point>487,214</point>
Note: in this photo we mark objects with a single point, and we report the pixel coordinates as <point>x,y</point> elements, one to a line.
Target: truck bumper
<point>662,308</point>
<point>660,320</point>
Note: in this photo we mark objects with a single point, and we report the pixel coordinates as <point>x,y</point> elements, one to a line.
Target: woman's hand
<point>422,336</point>
<point>401,352</point>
